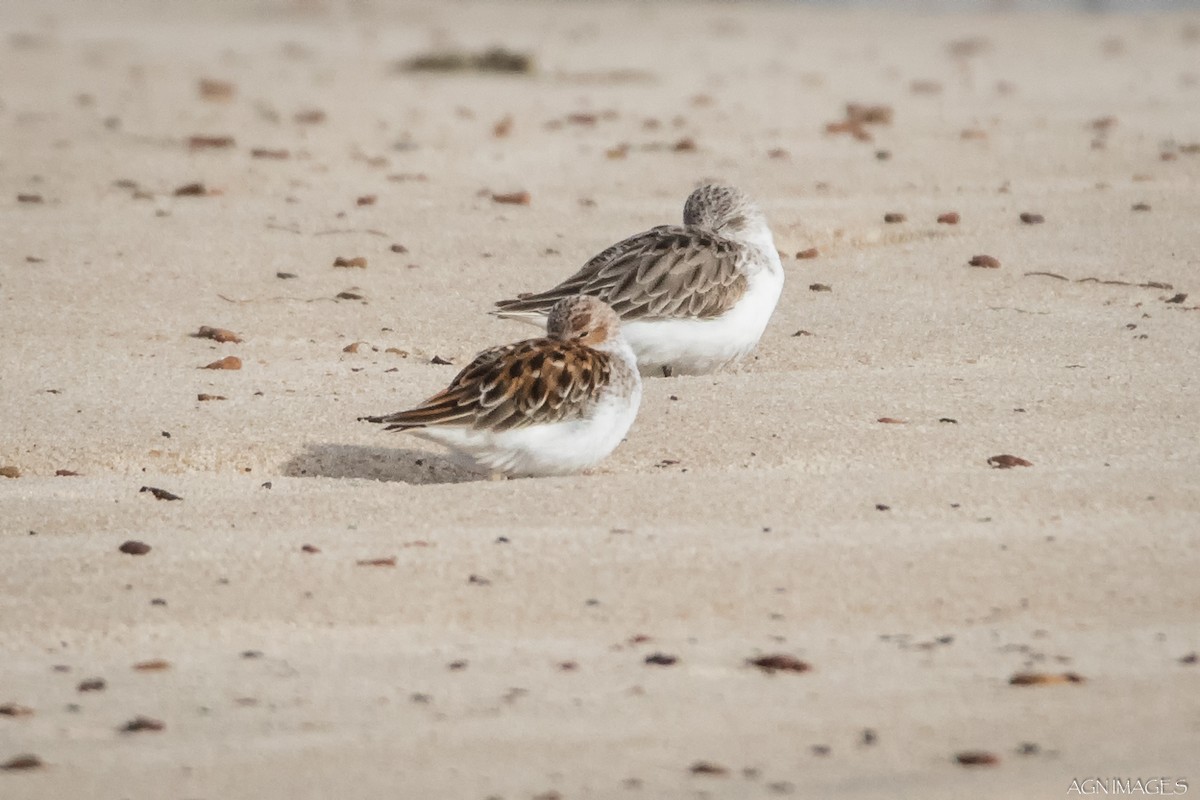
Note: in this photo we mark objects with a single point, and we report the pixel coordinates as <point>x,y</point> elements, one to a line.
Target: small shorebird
<point>549,406</point>
<point>691,297</point>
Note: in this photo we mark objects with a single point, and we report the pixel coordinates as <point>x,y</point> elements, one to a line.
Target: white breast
<point>696,347</point>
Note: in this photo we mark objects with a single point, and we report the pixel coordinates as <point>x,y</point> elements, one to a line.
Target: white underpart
<point>556,448</point>
<point>700,346</point>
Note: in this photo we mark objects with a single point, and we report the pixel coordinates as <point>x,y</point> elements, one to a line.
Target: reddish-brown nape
<point>584,319</point>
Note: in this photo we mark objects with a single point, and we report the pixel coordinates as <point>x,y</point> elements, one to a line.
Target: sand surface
<point>764,510</point>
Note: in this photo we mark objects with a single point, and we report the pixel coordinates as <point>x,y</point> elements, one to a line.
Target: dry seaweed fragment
<point>779,662</point>
<point>222,335</point>
<point>191,190</point>
<point>140,723</point>
<point>708,768</point>
<point>521,198</point>
<point>159,494</point>
<point>495,59</point>
<point>976,758</point>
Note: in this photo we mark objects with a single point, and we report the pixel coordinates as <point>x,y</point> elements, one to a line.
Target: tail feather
<point>535,318</point>
<point>538,303</point>
<point>442,413</point>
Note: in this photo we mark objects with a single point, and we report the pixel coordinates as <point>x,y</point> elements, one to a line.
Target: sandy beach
<point>331,611</point>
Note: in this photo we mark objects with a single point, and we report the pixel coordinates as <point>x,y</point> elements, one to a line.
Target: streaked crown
<point>584,319</point>
<point>722,209</point>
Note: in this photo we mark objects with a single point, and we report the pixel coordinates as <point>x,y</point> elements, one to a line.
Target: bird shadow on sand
<point>377,464</point>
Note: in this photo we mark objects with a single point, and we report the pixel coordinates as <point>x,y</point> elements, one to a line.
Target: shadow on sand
<point>376,463</point>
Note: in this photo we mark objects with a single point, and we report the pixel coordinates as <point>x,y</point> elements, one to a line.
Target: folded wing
<point>514,386</point>
<point>667,272</point>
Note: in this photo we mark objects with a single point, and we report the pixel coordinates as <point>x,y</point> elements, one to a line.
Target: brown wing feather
<point>668,271</point>
<point>531,382</point>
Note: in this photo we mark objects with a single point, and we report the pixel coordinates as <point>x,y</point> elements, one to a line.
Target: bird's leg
<point>667,371</point>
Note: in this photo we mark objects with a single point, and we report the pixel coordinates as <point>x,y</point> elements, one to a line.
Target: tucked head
<point>722,209</point>
<point>583,319</point>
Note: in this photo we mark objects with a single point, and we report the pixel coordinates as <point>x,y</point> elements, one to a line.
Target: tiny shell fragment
<point>811,252</point>
<point>1044,678</point>
<point>1032,219</point>
<point>14,710</point>
<point>134,548</point>
<point>311,116</point>
<point>894,217</point>
<point>1008,462</point>
<point>216,91</point>
<point>949,218</point>
<point>228,362</point>
<point>154,665</point>
<point>984,261</point>
<point>513,198</point>
<point>210,142</point>
<point>191,190</point>
<point>21,762</point>
<point>976,758</point>
<point>10,472</point>
<point>357,261</point>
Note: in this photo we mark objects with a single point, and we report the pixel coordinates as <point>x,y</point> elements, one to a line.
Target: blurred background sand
<point>761,511</point>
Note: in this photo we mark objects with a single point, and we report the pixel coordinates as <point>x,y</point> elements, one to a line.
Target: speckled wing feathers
<point>666,272</point>
<point>531,382</point>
